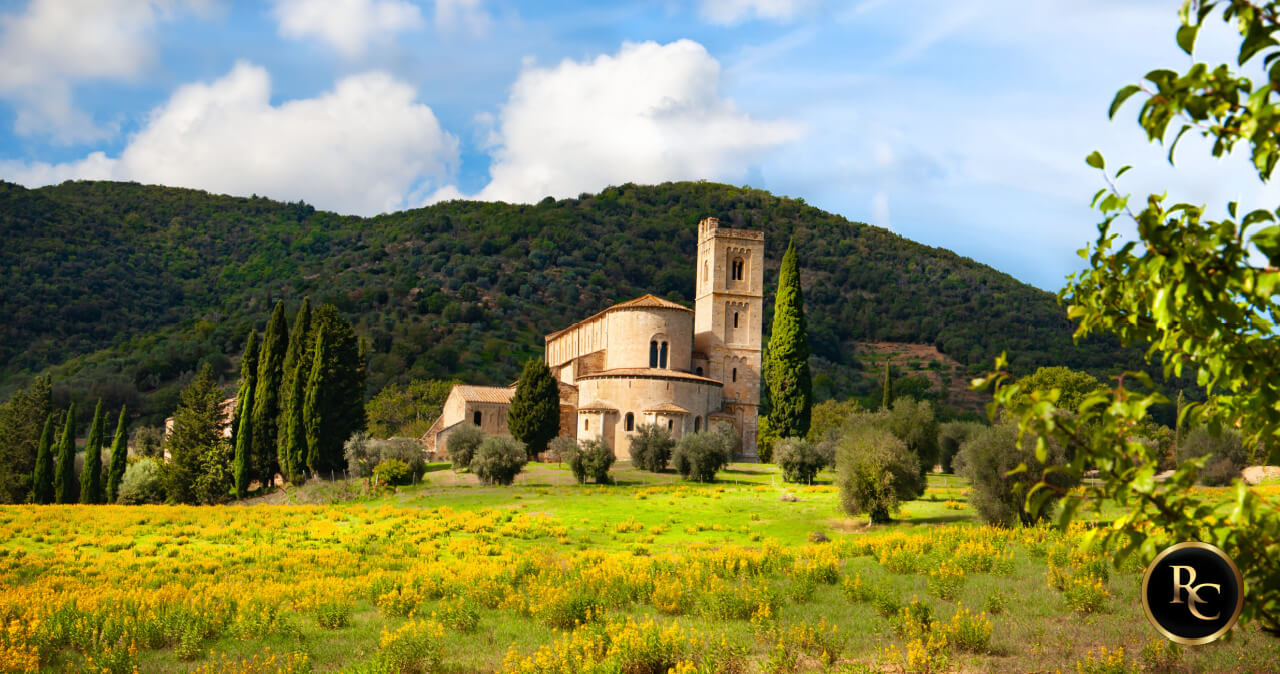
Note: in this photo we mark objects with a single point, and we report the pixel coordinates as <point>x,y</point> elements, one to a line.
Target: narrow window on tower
<point>662,356</point>
<point>735,374</point>
<point>735,319</point>
<point>697,424</point>
<point>631,422</point>
<point>653,353</point>
<point>586,424</point>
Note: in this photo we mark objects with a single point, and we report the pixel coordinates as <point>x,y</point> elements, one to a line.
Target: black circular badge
<point>1192,593</point>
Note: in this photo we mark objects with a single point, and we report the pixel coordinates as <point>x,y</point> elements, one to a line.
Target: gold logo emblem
<point>1184,610</point>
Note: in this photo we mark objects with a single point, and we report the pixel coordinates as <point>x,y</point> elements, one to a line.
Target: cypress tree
<point>296,359</point>
<point>266,396</point>
<point>42,479</point>
<point>534,416</point>
<point>301,339</point>
<point>787,370</point>
<point>241,426</point>
<point>91,491</point>
<point>119,457</point>
<point>21,420</point>
<point>313,408</point>
<point>333,398</point>
<point>293,437</point>
<point>64,481</point>
<point>886,399</point>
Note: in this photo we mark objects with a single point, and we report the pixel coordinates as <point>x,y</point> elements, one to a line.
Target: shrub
<point>392,472</point>
<point>798,458</point>
<point>875,473</point>
<point>360,454</point>
<point>1001,499</point>
<point>946,581</point>
<point>968,632</point>
<point>403,449</point>
<point>365,454</point>
<point>141,483</point>
<point>729,438</point>
<point>1085,594</point>
<point>591,459</point>
<point>498,460</point>
<point>147,441</point>
<point>462,445</point>
<point>651,448</point>
<point>912,422</point>
<point>1225,451</point>
<point>950,437</point>
<point>560,449</point>
<point>699,456</point>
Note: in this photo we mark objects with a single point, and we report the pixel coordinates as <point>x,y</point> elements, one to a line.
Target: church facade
<point>650,360</point>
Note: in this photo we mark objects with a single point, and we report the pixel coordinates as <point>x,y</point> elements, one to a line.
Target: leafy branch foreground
<point>1193,290</point>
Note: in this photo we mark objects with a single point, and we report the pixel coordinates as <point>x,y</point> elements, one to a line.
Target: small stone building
<point>650,360</point>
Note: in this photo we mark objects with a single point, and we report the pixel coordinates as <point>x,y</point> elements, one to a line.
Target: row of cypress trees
<point>301,395</point>
<point>56,483</point>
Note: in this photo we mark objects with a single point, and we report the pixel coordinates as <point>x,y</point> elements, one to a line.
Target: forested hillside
<point>122,290</point>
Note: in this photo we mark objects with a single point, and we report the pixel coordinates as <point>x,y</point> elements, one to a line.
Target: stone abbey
<point>649,360</point>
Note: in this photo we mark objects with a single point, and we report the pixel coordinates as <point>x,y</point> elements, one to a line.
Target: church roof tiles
<point>648,301</point>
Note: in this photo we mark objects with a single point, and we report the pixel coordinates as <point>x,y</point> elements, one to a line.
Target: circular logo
<point>1192,593</point>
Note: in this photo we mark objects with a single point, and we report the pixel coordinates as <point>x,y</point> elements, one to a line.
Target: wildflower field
<point>648,575</point>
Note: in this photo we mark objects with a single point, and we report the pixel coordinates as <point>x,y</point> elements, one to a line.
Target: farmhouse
<point>650,360</point>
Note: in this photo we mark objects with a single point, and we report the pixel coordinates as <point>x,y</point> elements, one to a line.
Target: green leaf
<point>1122,171</point>
<point>1121,97</point>
<point>1095,160</point>
<point>1185,128</point>
<point>1187,37</point>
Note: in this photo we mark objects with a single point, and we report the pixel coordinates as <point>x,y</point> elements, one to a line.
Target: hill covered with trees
<point>123,291</point>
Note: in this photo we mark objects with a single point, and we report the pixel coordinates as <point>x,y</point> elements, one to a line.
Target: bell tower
<point>727,323</point>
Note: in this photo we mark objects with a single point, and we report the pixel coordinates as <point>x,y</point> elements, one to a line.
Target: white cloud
<point>648,114</point>
<point>53,45</point>
<point>365,147</point>
<point>348,25</point>
<point>880,210</point>
<point>468,15</point>
<point>733,11</point>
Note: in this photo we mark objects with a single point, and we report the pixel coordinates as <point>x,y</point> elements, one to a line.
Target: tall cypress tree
<point>91,491</point>
<point>266,395</point>
<point>21,420</point>
<point>119,457</point>
<point>313,407</point>
<point>886,398</point>
<point>333,402</point>
<point>534,416</point>
<point>296,359</point>
<point>42,479</point>
<point>293,436</point>
<point>787,368</point>
<point>241,426</point>
<point>64,480</point>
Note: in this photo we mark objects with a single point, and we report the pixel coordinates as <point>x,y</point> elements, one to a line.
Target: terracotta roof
<point>643,302</point>
<point>650,373</point>
<point>485,394</point>
<point>598,406</point>
<point>668,408</point>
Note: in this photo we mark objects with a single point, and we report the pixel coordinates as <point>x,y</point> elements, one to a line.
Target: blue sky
<point>957,124</point>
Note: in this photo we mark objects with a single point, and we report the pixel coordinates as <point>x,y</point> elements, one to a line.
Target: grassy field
<point>546,576</point>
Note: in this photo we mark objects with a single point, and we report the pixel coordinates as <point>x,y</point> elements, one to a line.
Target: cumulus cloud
<point>466,15</point>
<point>348,25</point>
<point>54,44</point>
<point>733,11</point>
<point>365,147</point>
<point>648,114</point>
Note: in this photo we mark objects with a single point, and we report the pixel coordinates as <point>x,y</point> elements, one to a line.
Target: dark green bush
<point>1226,453</point>
<point>498,460</point>
<point>591,460</point>
<point>699,456</point>
<point>799,459</point>
<point>876,472</point>
<point>951,436</point>
<point>651,448</point>
<point>462,445</point>
<point>1000,498</point>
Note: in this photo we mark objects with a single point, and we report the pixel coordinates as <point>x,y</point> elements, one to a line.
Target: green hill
<point>121,290</point>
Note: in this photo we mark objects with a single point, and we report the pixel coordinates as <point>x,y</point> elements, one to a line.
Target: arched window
<point>662,355</point>
<point>735,374</point>
<point>671,424</point>
<point>475,418</point>
<point>735,319</point>
<point>697,424</point>
<point>653,353</point>
<point>631,422</point>
<point>736,269</point>
<point>698,372</point>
